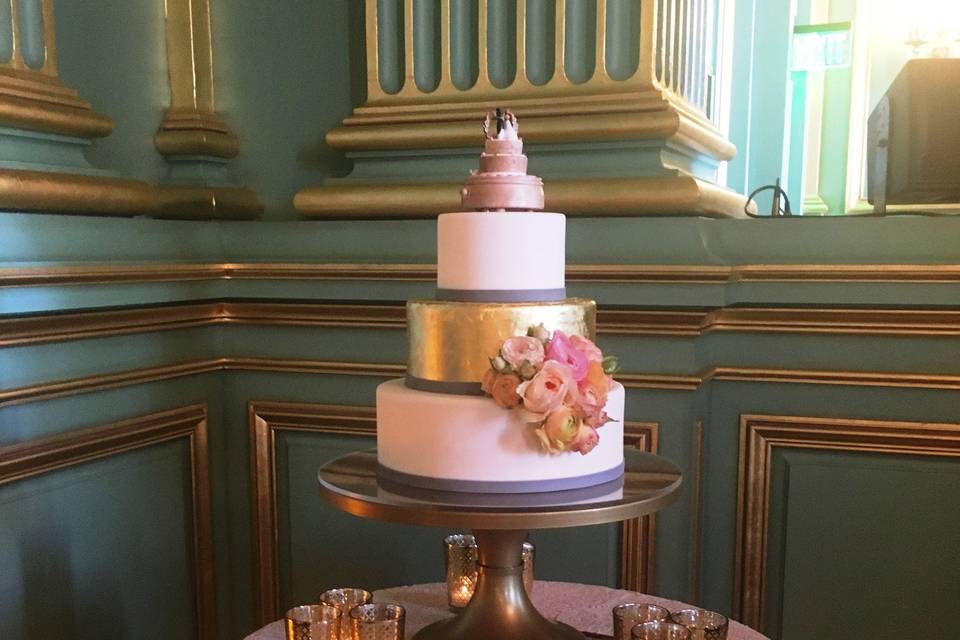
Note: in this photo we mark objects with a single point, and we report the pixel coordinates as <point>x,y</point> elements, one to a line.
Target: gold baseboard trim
<point>48,192</point>
<point>760,434</point>
<point>399,272</point>
<point>202,202</point>
<point>42,455</point>
<point>586,197</point>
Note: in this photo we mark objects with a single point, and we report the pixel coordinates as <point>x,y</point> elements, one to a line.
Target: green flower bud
<point>610,365</point>
<point>500,365</point>
<point>527,370</point>
<point>539,332</point>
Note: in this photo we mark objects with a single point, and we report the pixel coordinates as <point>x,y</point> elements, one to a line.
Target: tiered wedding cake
<point>505,391</point>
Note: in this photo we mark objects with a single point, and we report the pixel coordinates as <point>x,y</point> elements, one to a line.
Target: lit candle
<point>462,592</point>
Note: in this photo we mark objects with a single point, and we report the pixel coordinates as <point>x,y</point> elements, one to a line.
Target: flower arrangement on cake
<point>559,382</point>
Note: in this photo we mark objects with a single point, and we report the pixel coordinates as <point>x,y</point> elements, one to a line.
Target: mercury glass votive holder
<point>380,621</point>
<point>345,599</point>
<point>313,622</point>
<point>659,630</point>
<point>461,564</point>
<point>627,616</point>
<point>703,624</point>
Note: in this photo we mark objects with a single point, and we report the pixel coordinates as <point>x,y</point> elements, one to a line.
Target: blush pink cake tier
<point>500,271</point>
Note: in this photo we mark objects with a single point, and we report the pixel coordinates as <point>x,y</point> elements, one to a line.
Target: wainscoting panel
<point>108,530</point>
<point>827,506</point>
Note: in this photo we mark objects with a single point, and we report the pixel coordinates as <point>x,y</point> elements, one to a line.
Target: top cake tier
<point>501,248</point>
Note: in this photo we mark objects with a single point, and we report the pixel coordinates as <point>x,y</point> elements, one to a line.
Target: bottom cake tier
<point>465,443</point>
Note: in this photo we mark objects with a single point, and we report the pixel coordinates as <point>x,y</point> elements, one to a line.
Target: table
<point>500,607</point>
<point>580,606</point>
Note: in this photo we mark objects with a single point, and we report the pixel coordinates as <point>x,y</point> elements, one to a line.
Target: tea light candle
<point>462,592</point>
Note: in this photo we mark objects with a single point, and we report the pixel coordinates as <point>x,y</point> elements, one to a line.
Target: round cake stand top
<point>649,483</point>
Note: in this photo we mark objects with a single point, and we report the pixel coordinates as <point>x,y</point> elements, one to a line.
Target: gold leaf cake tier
<point>451,343</point>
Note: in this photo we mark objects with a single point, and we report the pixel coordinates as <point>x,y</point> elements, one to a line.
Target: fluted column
<point>593,74</point>
<point>31,94</point>
<point>192,136</point>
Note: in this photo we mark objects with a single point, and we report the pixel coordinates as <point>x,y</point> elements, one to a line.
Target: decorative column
<point>616,98</point>
<point>46,126</point>
<point>194,139</point>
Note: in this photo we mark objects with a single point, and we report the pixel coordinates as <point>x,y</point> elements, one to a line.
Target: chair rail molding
<point>629,85</point>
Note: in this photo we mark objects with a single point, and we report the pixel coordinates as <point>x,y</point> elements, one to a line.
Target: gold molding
<point>586,197</point>
<point>42,455</point>
<point>265,419</point>
<point>200,201</point>
<point>760,434</point>
<point>406,272</point>
<point>115,380</point>
<point>54,327</point>
<point>51,192</point>
<point>637,535</point>
<point>100,382</point>
<point>191,125</point>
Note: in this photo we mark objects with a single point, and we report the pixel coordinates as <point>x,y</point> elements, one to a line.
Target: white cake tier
<point>469,443</point>
<point>485,251</point>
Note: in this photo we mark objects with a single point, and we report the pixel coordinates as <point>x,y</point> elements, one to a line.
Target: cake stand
<point>500,607</point>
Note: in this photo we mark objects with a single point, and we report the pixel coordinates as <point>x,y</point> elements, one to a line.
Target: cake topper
<point>502,183</point>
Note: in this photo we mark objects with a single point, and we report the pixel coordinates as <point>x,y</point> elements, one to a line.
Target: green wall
<point>117,531</point>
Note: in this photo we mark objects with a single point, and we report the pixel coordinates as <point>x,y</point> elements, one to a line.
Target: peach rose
<point>585,440</point>
<point>518,349</point>
<point>552,387</point>
<point>593,390</point>
<point>587,348</point>
<point>559,430</point>
<point>503,388</point>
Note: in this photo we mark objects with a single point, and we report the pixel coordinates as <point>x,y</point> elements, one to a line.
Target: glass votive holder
<point>380,621</point>
<point>627,616</point>
<point>313,622</point>
<point>461,564</point>
<point>703,624</point>
<point>345,599</point>
<point>659,630</point>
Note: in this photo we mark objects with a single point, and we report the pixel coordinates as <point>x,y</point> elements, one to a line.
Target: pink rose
<point>552,387</point>
<point>560,349</point>
<point>559,430</point>
<point>585,440</point>
<point>519,348</point>
<point>587,348</point>
<point>503,388</point>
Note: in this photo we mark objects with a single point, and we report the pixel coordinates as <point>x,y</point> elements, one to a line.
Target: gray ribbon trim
<point>506,486</point>
<point>439,386</point>
<point>502,295</point>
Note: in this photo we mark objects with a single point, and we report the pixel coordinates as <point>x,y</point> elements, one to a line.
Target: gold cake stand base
<point>500,607</point>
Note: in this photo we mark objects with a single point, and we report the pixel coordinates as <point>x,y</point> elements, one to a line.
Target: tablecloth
<point>581,606</point>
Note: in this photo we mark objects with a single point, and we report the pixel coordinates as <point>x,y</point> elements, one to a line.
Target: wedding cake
<point>505,390</point>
